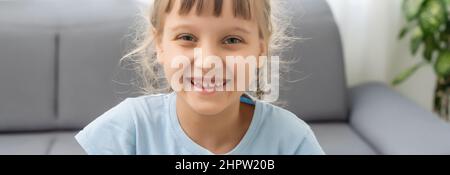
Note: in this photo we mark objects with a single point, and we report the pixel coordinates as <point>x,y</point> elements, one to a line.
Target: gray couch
<point>59,71</point>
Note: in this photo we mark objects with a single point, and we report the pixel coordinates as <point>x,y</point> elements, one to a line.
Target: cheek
<point>248,52</point>
<point>169,52</point>
<point>172,64</point>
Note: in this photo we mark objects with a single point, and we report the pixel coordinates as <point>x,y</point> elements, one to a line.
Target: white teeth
<point>209,90</point>
<point>197,89</point>
<point>207,86</point>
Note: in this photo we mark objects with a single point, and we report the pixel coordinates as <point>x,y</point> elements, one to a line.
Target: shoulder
<point>136,112</point>
<point>292,134</point>
<point>154,100</point>
<point>133,107</point>
<point>151,107</point>
<point>114,132</point>
<point>284,120</point>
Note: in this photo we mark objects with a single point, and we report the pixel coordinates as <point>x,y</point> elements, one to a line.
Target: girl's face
<point>221,36</point>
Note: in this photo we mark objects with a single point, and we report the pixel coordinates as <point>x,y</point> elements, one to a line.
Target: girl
<point>204,120</point>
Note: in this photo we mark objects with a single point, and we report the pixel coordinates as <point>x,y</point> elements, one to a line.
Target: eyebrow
<point>177,27</point>
<point>241,29</point>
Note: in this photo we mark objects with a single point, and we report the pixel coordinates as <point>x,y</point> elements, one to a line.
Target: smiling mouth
<point>207,85</point>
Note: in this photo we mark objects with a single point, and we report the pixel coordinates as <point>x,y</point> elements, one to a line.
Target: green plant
<point>428,26</point>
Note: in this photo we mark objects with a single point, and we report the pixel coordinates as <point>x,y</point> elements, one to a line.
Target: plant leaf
<point>447,2</point>
<point>433,16</point>
<point>430,47</point>
<point>407,73</point>
<point>445,36</point>
<point>442,65</point>
<point>403,32</point>
<point>416,40</point>
<point>411,8</point>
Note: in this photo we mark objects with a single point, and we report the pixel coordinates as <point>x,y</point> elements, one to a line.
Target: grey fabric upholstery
<point>58,61</point>
<point>40,143</point>
<point>339,138</point>
<point>59,67</point>
<point>28,143</point>
<point>63,143</point>
<point>27,78</point>
<point>89,58</point>
<point>395,125</point>
<point>321,93</point>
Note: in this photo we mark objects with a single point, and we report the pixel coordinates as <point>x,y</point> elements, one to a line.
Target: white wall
<point>369,30</point>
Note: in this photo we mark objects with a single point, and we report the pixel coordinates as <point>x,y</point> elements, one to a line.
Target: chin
<point>208,110</point>
<point>211,104</point>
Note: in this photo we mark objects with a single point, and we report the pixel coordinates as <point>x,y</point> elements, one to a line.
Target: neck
<point>218,133</point>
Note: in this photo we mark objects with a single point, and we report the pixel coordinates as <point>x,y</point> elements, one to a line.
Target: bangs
<point>241,8</point>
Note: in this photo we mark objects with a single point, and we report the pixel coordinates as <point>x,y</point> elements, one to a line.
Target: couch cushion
<point>89,60</point>
<point>401,126</point>
<point>321,94</point>
<point>25,143</point>
<point>27,77</point>
<point>340,139</point>
<point>90,50</point>
<point>64,143</point>
<point>39,143</point>
<point>57,60</point>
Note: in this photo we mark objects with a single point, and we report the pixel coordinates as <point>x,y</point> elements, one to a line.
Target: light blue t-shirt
<point>149,125</point>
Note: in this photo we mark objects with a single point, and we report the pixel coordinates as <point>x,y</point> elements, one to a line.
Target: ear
<point>263,52</point>
<point>158,45</point>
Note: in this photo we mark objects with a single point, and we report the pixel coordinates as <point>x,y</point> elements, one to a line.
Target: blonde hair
<point>273,28</point>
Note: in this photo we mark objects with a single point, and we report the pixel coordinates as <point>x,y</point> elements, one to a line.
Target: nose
<point>207,58</point>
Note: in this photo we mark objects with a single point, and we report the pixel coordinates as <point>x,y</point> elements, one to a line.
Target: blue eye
<point>233,40</point>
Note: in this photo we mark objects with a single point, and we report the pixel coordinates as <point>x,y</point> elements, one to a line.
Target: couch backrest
<point>27,76</point>
<point>320,95</point>
<point>58,60</point>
